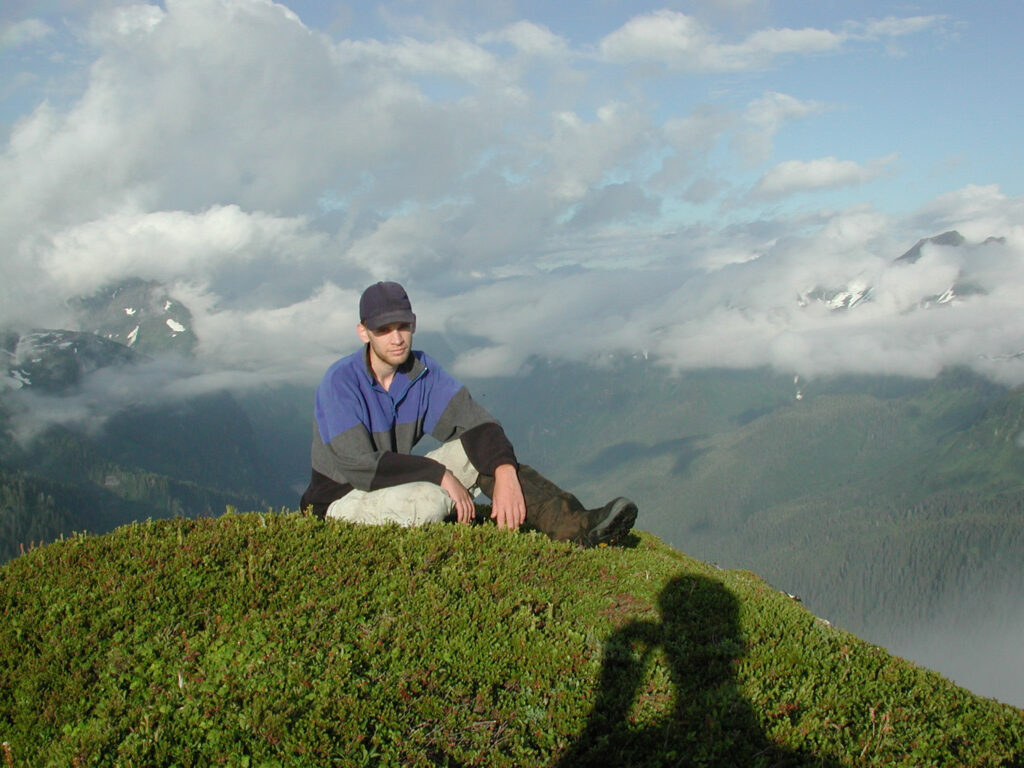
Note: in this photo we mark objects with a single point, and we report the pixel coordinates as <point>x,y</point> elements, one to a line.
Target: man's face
<point>390,343</point>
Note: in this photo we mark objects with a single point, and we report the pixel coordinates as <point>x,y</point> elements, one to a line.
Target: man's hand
<point>508,507</point>
<point>465,510</point>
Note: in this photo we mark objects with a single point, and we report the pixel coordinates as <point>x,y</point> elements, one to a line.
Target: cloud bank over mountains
<point>547,194</point>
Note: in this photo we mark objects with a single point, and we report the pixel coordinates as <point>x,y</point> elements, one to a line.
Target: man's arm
<point>465,509</point>
<point>486,446</point>
<point>508,507</point>
<point>352,458</point>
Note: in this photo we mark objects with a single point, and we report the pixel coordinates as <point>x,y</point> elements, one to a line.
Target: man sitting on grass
<point>373,406</point>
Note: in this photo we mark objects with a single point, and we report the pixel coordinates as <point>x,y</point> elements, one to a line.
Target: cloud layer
<point>573,198</point>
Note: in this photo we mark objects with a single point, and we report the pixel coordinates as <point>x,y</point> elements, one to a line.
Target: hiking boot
<point>610,524</point>
<point>560,515</point>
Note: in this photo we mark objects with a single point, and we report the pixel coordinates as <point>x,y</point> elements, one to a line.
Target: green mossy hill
<point>262,640</point>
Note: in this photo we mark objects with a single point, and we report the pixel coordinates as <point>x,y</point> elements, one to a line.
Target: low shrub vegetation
<point>280,640</point>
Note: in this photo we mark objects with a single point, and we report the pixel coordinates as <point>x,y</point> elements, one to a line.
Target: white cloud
<point>238,103</point>
<point>612,204</point>
<point>583,153</point>
<point>752,317</point>
<point>734,6</point>
<point>23,32</point>
<point>400,241</point>
<point>976,211</point>
<point>661,36</point>
<point>703,189</point>
<point>766,115</point>
<point>452,57</point>
<point>689,140</point>
<point>793,176</point>
<point>894,26</point>
<point>776,42</point>
<point>706,306</point>
<point>699,130</point>
<point>773,109</point>
<point>681,41</point>
<point>127,23</point>
<point>166,245</point>
<point>529,39</point>
<point>293,342</point>
<point>268,173</point>
<point>484,362</point>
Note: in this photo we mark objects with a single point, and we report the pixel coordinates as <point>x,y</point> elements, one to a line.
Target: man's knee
<point>410,504</point>
<point>453,455</point>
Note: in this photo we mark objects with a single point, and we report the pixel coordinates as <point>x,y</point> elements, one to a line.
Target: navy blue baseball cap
<point>384,303</point>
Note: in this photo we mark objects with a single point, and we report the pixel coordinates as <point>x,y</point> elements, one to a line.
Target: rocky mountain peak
<point>951,238</point>
<point>56,361</point>
<point>139,314</point>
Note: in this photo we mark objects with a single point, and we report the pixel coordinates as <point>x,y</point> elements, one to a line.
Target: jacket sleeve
<point>350,457</point>
<point>488,447</point>
<point>485,441</point>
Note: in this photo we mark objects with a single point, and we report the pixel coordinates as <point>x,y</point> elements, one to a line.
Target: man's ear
<point>364,333</point>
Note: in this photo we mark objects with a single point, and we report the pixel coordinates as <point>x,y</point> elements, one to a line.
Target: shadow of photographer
<point>703,719</point>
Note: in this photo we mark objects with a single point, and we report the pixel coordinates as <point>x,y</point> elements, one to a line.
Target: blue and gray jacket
<point>363,435</point>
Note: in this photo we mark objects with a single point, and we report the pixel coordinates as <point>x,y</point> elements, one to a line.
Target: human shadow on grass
<point>703,717</point>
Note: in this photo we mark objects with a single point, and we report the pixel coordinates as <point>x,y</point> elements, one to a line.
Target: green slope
<point>281,640</point>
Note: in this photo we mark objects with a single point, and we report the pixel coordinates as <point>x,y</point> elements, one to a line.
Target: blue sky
<point>700,181</point>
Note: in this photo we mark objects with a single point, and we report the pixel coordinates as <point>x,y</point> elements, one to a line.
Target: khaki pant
<point>409,504</point>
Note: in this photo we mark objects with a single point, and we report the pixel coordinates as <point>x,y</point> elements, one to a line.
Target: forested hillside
<point>192,459</point>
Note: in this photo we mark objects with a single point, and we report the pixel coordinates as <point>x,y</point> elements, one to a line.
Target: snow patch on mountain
<point>846,297</point>
<point>57,361</point>
<point>140,314</point>
<point>858,292</point>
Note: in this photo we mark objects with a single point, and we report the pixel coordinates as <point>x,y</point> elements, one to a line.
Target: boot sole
<point>616,526</point>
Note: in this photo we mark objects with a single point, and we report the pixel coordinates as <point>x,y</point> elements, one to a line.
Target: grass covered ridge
<point>279,640</point>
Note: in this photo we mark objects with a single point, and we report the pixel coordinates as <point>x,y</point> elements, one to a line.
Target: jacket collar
<point>412,368</point>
